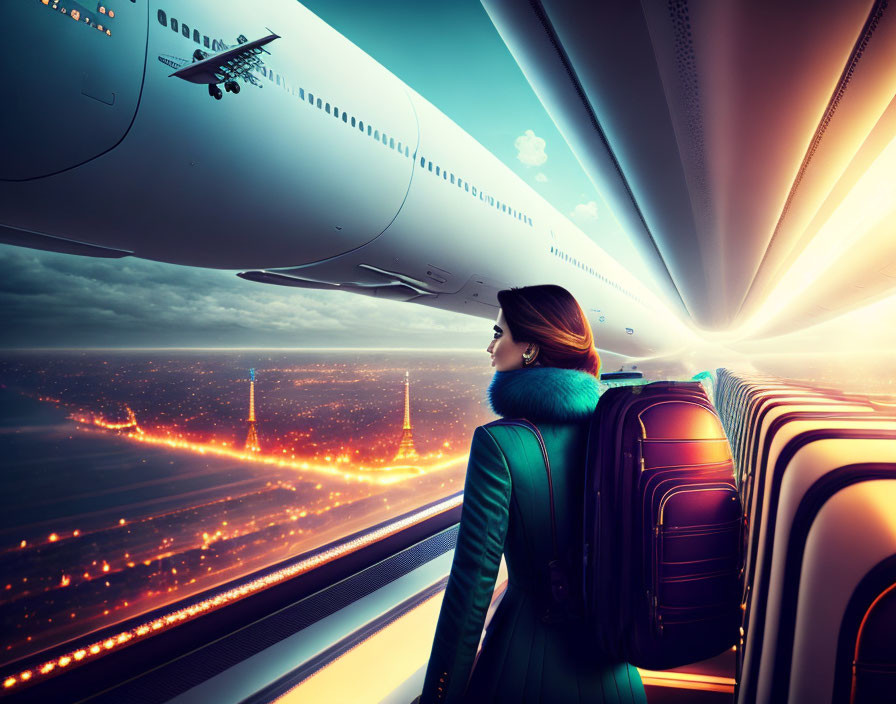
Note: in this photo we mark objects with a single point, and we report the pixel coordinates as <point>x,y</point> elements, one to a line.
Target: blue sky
<point>450,53</point>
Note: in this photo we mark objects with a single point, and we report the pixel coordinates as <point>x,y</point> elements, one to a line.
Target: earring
<point>528,358</point>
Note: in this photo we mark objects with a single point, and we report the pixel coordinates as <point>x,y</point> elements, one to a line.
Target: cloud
<point>58,300</point>
<point>530,149</point>
<point>585,211</point>
<point>541,178</point>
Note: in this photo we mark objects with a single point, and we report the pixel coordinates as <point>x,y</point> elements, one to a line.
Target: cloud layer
<point>58,300</point>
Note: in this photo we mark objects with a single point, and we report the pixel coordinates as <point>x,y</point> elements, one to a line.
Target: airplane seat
<point>783,435</point>
<point>795,431</point>
<point>841,557</point>
<point>832,460</point>
<point>866,654</point>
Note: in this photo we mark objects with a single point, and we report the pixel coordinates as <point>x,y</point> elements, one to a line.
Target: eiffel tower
<point>252,444</point>
<point>406,449</point>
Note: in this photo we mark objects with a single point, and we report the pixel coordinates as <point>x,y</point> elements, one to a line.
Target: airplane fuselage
<point>333,171</point>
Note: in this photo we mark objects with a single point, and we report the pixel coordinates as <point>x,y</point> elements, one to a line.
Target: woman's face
<point>506,353</point>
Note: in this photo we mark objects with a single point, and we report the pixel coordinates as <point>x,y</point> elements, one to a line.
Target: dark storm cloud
<point>57,300</point>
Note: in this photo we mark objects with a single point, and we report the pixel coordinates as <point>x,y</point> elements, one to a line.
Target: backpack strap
<point>557,570</point>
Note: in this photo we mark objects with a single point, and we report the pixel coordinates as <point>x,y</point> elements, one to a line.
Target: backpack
<point>662,521</point>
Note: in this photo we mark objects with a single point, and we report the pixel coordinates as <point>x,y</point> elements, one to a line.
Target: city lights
<point>193,508</point>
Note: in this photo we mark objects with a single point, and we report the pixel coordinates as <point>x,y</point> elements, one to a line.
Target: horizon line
<point>234,349</point>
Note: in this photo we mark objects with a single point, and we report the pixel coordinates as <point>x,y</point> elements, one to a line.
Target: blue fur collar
<point>547,394</point>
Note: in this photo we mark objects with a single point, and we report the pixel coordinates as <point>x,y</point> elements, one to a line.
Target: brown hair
<point>550,317</point>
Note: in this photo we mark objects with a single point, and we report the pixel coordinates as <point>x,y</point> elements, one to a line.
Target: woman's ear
<point>530,355</point>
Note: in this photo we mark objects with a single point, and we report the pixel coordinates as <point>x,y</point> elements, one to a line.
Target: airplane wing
<point>236,62</point>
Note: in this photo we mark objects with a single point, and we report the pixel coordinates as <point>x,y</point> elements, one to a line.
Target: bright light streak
<point>871,199</point>
<point>241,590</point>
<point>385,475</point>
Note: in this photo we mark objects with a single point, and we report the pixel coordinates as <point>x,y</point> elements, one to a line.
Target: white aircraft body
<point>336,175</point>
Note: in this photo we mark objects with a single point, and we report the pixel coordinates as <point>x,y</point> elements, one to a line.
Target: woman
<point>546,372</point>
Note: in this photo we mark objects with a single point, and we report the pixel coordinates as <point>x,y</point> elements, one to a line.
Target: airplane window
<point>278,79</point>
<point>452,178</point>
<point>437,171</point>
<point>361,125</point>
<point>353,121</point>
<point>196,37</point>
<point>345,118</point>
<point>205,43</point>
<point>185,31</point>
<point>460,183</point>
<point>335,111</point>
<point>320,104</point>
<point>369,131</point>
<point>503,208</point>
<point>385,141</point>
<point>173,25</point>
<point>400,150</point>
<point>151,524</point>
<point>391,143</point>
<point>327,107</point>
<point>407,151</point>
<point>302,93</point>
<point>422,161</point>
<point>163,18</point>
<point>467,186</point>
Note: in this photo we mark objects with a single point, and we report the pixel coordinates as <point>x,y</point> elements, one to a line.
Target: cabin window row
<point>446,175</point>
<point>589,270</point>
<point>474,191</point>
<point>355,122</point>
<point>184,29</point>
<point>390,142</point>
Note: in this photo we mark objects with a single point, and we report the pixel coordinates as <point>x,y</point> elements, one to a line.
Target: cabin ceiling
<point>725,136</point>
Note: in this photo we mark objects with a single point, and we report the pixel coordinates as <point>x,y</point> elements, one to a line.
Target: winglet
<point>275,35</point>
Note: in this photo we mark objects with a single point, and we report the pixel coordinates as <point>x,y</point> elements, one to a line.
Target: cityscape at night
<point>134,479</point>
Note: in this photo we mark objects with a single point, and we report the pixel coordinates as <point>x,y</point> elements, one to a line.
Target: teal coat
<point>506,510</point>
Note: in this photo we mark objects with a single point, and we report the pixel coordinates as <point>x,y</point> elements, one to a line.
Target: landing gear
<point>232,87</point>
<point>214,91</point>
